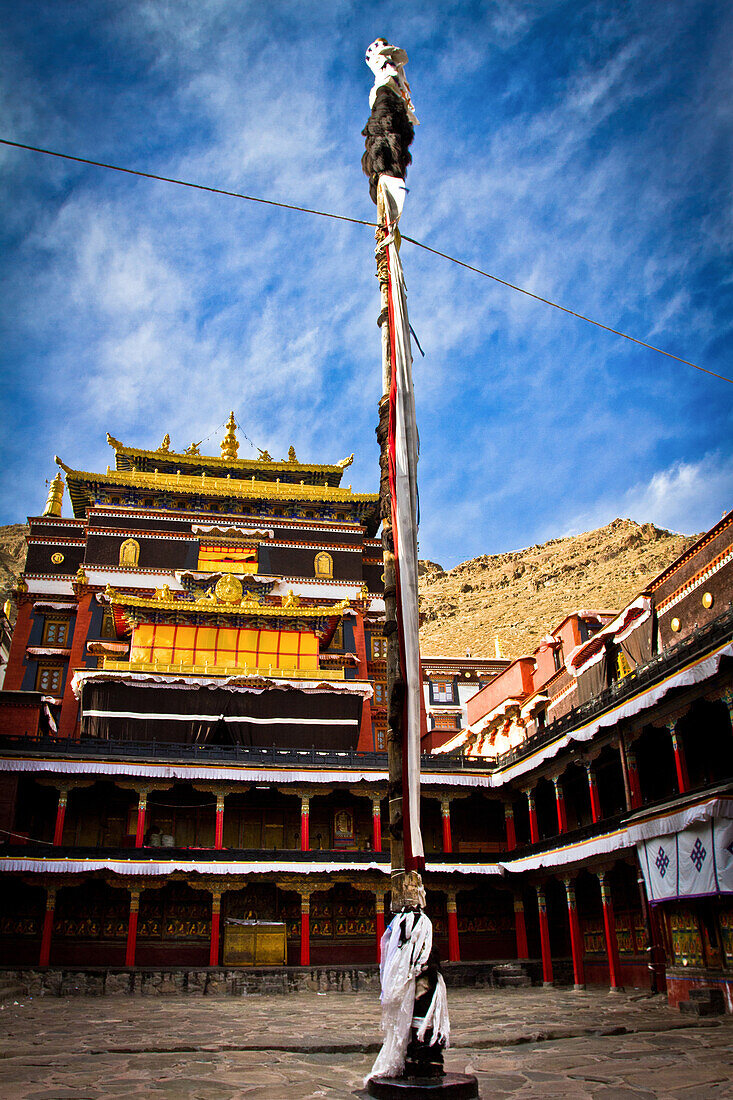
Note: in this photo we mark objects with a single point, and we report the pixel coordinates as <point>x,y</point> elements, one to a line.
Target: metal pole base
<point>453,1086</point>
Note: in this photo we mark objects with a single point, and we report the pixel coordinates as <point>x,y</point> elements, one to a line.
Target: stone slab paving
<point>520,1043</point>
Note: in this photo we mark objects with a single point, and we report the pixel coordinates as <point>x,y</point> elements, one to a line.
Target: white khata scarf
<point>405,949</point>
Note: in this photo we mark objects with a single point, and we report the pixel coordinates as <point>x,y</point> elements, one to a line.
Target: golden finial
<point>230,443</point>
<point>55,496</point>
<point>292,457</point>
<point>166,444</point>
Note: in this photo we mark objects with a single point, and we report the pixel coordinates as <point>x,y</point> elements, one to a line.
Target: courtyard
<point>519,1042</point>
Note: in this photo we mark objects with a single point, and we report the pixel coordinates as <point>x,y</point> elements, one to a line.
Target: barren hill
<point>521,595</point>
<point>12,556</point>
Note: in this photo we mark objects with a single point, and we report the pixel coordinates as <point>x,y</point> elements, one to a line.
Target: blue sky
<point>582,150</point>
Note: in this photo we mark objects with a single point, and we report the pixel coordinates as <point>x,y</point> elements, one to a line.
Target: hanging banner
<point>696,861</point>
<point>403,456</point>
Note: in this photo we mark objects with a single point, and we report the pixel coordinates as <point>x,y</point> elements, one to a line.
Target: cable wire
<point>360,221</point>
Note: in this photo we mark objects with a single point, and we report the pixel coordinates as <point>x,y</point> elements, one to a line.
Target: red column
<point>305,930</point>
<point>58,832</point>
<point>47,926</point>
<point>132,929</point>
<point>215,918</point>
<point>562,817</point>
<point>634,783</point>
<point>544,937</point>
<point>304,823</point>
<point>595,802</point>
<point>576,940</point>
<point>69,703</point>
<point>219,830</point>
<point>447,835</point>
<point>379,922</point>
<point>520,927</point>
<point>680,763</point>
<point>511,834</point>
<point>609,924</point>
<point>142,803</point>
<point>534,831</point>
<point>21,632</point>
<point>377,829</point>
<point>454,947</point>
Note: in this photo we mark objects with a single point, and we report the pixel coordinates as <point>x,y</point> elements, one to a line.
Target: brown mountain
<point>521,595</point>
<point>12,556</point>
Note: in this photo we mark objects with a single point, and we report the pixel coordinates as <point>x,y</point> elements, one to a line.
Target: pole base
<point>453,1086</point>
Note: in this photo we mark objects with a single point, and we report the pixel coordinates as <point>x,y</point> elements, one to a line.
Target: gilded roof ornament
<point>166,444</point>
<point>228,589</point>
<point>264,456</point>
<point>192,450</point>
<point>55,497</point>
<point>230,443</point>
<point>345,462</point>
<point>292,457</point>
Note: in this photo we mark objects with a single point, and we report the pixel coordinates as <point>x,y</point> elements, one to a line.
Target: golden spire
<point>55,496</point>
<point>230,443</point>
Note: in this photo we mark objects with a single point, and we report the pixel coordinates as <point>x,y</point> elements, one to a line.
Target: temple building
<point>193,771</point>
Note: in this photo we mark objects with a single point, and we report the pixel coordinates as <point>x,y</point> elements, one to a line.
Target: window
<point>129,552</point>
<point>445,722</point>
<point>379,647</point>
<point>323,564</point>
<point>56,632</point>
<point>380,738</point>
<point>48,679</point>
<point>557,657</point>
<point>380,694</point>
<point>443,691</point>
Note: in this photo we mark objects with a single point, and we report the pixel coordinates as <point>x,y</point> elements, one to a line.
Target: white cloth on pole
<point>405,949</point>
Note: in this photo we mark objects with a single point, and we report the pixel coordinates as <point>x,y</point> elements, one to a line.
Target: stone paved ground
<point>520,1043</point>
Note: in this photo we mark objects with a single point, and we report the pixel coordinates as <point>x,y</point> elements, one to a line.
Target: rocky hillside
<point>519,596</point>
<point>12,556</point>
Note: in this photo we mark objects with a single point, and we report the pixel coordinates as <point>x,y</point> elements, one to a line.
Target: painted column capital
<point>509,810</point>
<point>50,898</point>
<point>518,904</point>
<point>445,807</point>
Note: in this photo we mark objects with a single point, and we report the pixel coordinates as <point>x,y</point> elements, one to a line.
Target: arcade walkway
<point>520,1043</point>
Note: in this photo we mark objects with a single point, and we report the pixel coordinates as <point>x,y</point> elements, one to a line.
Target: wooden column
<point>379,898</point>
<point>562,817</point>
<point>445,815</point>
<point>520,928</point>
<point>454,947</point>
<point>132,928</point>
<point>305,822</point>
<point>219,828</point>
<point>609,924</point>
<point>547,978</point>
<point>576,939</point>
<point>634,781</point>
<point>595,802</point>
<point>680,762</point>
<point>58,833</point>
<point>47,926</point>
<point>726,697</point>
<point>534,830</point>
<point>305,929</point>
<point>142,805</point>
<point>377,828</point>
<point>215,919</point>
<point>511,833</point>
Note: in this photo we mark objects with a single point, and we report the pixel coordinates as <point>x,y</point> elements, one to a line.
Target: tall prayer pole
<point>414,1003</point>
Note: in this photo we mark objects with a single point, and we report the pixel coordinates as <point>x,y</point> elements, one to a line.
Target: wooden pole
<point>395,684</point>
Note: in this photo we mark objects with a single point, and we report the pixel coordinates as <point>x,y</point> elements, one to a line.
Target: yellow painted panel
<point>164,634</point>
<point>268,641</point>
<point>206,637</point>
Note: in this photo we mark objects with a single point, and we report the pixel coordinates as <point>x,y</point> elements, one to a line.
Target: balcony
<point>180,668</point>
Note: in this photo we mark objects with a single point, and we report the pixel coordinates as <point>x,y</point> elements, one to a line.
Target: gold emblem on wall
<point>675,625</point>
<point>707,599</point>
<point>228,589</point>
<point>129,553</point>
<point>57,558</point>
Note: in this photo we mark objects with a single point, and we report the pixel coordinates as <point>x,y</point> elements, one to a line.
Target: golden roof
<point>228,597</point>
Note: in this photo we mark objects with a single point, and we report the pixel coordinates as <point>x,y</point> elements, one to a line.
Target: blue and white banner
<point>696,861</point>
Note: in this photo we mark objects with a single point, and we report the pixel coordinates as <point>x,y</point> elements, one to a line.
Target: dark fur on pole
<point>388,134</point>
